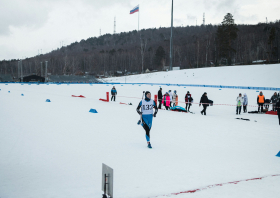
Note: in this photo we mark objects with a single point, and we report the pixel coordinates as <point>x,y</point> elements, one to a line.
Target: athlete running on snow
<point>147,106</point>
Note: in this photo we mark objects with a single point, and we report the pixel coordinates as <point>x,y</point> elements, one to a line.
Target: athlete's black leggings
<point>147,129</point>
<point>279,118</point>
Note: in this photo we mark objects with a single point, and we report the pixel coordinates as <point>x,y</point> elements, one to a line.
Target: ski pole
<point>139,122</point>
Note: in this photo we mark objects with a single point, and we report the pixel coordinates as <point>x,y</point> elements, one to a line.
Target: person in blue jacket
<point>147,112</point>
<point>113,93</point>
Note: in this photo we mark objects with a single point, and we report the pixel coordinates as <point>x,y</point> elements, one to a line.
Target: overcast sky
<point>27,26</point>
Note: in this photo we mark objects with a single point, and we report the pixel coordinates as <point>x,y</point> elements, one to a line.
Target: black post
<point>171,39</point>
<point>104,195</point>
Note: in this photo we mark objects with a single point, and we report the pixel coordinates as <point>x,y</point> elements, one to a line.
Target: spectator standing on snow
<point>204,101</point>
<point>170,95</point>
<point>260,101</point>
<point>174,98</point>
<point>278,110</point>
<point>239,100</point>
<point>245,102</point>
<point>274,99</point>
<point>188,100</point>
<point>159,98</point>
<point>113,93</point>
<point>147,105</point>
<point>166,100</point>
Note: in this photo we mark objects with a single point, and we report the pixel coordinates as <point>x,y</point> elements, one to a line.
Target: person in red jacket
<point>260,101</point>
<point>188,100</point>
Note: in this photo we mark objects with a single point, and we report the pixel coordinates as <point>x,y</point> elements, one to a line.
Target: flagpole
<point>171,39</point>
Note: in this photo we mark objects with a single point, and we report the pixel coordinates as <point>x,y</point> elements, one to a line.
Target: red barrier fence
<point>107,98</point>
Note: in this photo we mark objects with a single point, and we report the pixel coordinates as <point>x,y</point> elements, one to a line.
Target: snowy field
<point>56,149</point>
<point>256,75</point>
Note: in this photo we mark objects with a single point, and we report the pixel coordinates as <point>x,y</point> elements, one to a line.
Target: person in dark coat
<point>277,107</point>
<point>204,101</point>
<point>188,100</point>
<point>113,93</point>
<point>159,98</point>
<point>274,100</point>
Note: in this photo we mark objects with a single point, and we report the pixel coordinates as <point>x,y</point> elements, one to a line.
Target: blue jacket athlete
<point>147,111</point>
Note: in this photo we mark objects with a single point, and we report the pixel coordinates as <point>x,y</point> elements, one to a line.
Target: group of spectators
<point>168,99</point>
<point>262,102</point>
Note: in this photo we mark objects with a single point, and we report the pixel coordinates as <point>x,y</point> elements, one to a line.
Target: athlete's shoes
<point>149,145</point>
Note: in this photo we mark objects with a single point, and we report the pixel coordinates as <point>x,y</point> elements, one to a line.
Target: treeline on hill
<point>127,52</point>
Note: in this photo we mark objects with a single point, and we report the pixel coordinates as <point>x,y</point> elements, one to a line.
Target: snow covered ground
<point>57,149</point>
<point>254,75</point>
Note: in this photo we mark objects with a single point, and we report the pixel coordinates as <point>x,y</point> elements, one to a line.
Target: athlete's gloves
<point>155,114</point>
<point>140,113</point>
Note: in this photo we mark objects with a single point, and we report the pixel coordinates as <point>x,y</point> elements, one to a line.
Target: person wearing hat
<point>159,98</point>
<point>113,93</point>
<point>204,101</point>
<point>245,102</point>
<point>147,107</point>
<point>260,101</point>
<point>239,100</point>
<point>170,95</point>
<point>174,98</point>
<point>188,100</point>
<point>274,100</point>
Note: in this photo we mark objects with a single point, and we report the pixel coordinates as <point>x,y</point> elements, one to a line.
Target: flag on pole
<point>135,9</point>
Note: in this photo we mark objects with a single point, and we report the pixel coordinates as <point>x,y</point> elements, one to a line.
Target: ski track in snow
<point>215,185</point>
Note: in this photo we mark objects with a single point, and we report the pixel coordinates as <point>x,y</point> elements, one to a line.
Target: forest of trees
<point>127,52</point>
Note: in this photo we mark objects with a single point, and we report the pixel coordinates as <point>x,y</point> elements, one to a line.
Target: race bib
<point>147,107</point>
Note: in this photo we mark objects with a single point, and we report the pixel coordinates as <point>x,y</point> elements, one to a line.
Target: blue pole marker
<point>22,95</point>
<point>278,154</point>
<point>8,91</point>
<point>48,100</point>
<point>93,111</point>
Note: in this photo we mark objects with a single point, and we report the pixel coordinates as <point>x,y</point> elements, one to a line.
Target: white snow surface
<point>56,149</point>
<point>243,75</point>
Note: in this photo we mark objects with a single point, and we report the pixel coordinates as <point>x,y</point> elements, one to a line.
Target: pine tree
<point>226,34</point>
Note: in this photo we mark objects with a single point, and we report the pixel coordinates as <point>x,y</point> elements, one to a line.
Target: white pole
<point>138,16</point>
<point>18,69</point>
<point>21,70</point>
<point>46,71</point>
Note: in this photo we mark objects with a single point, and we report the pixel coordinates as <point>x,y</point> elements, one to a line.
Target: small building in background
<point>33,78</point>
